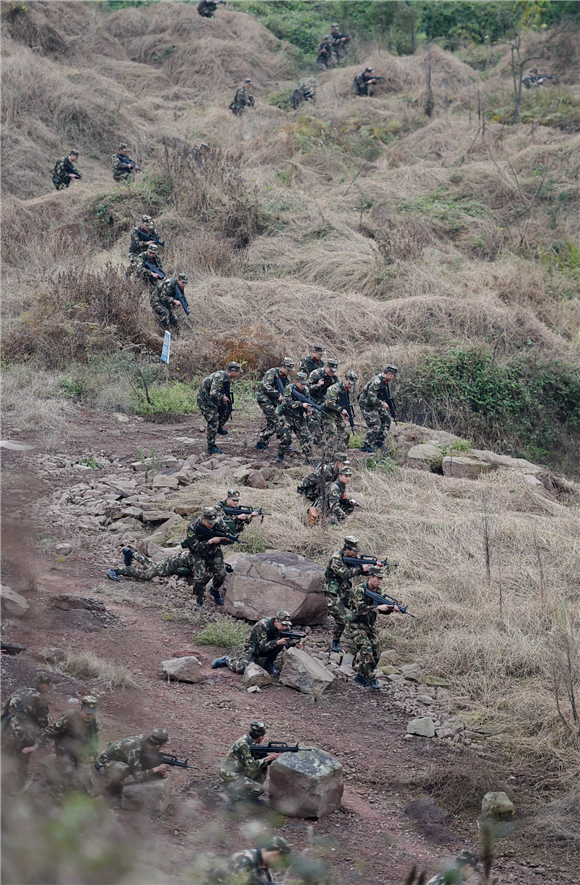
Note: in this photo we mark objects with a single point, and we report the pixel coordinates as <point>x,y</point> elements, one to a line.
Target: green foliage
<point>545,106</point>
<point>114,212</point>
<point>454,209</point>
<point>385,464</point>
<point>281,99</point>
<point>89,461</point>
<point>223,633</point>
<point>174,398</point>
<point>255,541</point>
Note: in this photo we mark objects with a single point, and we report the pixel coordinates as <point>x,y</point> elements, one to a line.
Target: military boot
<point>361,680</point>
<point>113,574</point>
<point>216,597</point>
<point>335,647</point>
<point>127,556</point>
<point>219,662</point>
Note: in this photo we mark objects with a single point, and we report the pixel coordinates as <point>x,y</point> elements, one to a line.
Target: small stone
<point>13,604</point>
<point>497,806</point>
<point>152,796</point>
<point>423,727</point>
<point>435,681</point>
<point>166,481</point>
<point>303,672</point>
<point>425,699</point>
<point>123,419</point>
<point>254,675</point>
<point>187,669</point>
<point>63,549</point>
<point>253,689</point>
<point>256,480</point>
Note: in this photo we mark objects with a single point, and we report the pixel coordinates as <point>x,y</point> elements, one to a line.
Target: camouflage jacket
<point>164,294</point>
<point>338,576</point>
<point>316,392</point>
<point>290,407</point>
<point>248,868</point>
<point>334,395</point>
<point>240,763</point>
<point>144,271</point>
<point>131,751</point>
<point>312,484</point>
<point>372,396</point>
<point>120,169</point>
<point>62,169</point>
<point>213,388</point>
<point>200,545</point>
<point>137,243</point>
<point>262,639</point>
<point>337,497</point>
<point>362,610</point>
<point>72,736</point>
<point>309,364</point>
<point>269,386</point>
<point>28,712</point>
<point>243,98</point>
<point>232,523</point>
<point>362,81</point>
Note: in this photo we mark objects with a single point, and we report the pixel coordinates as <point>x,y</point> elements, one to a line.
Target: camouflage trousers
<point>379,423</point>
<point>213,418</point>
<point>123,176</point>
<point>364,640</point>
<point>61,183</point>
<point>113,774</point>
<point>337,611</point>
<point>68,775</point>
<point>315,427</point>
<point>240,788</point>
<point>336,432</point>
<point>238,665</point>
<point>339,512</point>
<point>175,564</point>
<point>299,427</point>
<point>205,567</point>
<point>166,317</point>
<point>14,768</point>
<point>273,421</point>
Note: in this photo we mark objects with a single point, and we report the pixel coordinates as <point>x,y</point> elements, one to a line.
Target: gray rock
<point>305,673</point>
<point>424,727</point>
<point>532,480</point>
<point>427,454</point>
<point>256,480</point>
<point>165,481</point>
<point>497,806</point>
<point>187,669</point>
<point>63,549</point>
<point>152,796</point>
<point>461,467</point>
<point>306,784</point>
<point>262,583</point>
<point>255,675</point>
<point>506,461</point>
<point>13,605</point>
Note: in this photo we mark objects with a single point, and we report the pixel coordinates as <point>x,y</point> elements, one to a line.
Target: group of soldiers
<point>65,171</point>
<point>331,48</point>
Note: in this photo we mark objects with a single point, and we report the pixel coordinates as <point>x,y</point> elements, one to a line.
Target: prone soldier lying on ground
<point>150,266</point>
<point>136,757</point>
<point>142,568</point>
<point>24,717</point>
<point>235,517</point>
<point>377,407</point>
<point>242,99</point>
<point>270,395</point>
<point>123,165</point>
<point>76,740</point>
<point>266,640</point>
<point>215,400</point>
<point>142,236</point>
<point>305,92</point>
<point>242,775</point>
<point>64,170</point>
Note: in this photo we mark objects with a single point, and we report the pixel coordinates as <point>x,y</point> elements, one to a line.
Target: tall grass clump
<point>224,633</point>
<point>89,666</point>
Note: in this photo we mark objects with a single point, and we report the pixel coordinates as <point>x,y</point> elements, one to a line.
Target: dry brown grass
<point>90,666</point>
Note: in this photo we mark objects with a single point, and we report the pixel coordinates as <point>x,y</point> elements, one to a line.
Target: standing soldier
<point>215,400</point>
<point>242,775</point>
<point>24,716</point>
<point>252,865</point>
<point>206,555</point>
<point>64,170</point>
<point>313,485</point>
<point>270,395</point>
<point>76,741</point>
<point>141,237</point>
<point>318,383</point>
<point>313,361</point>
<point>363,83</point>
<point>136,757</point>
<point>337,411</point>
<point>262,646</point>
<point>149,266</point>
<point>123,165</point>
<point>324,57</point>
<point>362,632</point>
<point>337,504</point>
<point>375,403</point>
<point>338,587</point>
<point>163,300</point>
<point>242,99</point>
<point>338,41</point>
<point>293,416</point>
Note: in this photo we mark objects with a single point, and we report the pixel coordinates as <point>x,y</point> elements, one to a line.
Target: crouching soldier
<point>252,865</point>
<point>262,646</point>
<point>24,716</point>
<point>76,740</point>
<point>242,775</point>
<point>136,757</point>
<point>163,300</point>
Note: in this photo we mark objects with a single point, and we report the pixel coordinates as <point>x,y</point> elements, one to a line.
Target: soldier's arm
<point>343,572</point>
<point>57,729</point>
<point>269,384</point>
<point>216,389</point>
<point>262,642</point>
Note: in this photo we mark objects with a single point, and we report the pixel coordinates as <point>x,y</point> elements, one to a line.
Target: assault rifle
<point>180,296</point>
<point>226,408</point>
<point>127,161</point>
<point>169,759</point>
<point>368,560</point>
<point>207,534</point>
<point>154,269</point>
<point>12,649</point>
<point>345,404</point>
<point>380,599</point>
<point>385,396</point>
<point>240,511</point>
<point>71,169</point>
<point>149,238</point>
<point>304,398</point>
<point>293,635</point>
<point>280,385</point>
<point>260,751</point>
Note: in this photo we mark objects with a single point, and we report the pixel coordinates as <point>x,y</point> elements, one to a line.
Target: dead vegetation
<point>108,674</point>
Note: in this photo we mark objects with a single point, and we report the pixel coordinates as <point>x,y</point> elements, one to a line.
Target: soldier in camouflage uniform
<point>262,646</point>
<point>270,395</point>
<point>123,166</point>
<point>146,569</point>
<point>293,417</point>
<point>465,864</point>
<point>242,775</point>
<point>64,170</point>
<point>215,401</point>
<point>338,587</point>
<point>134,757</point>
<point>374,408</point>
<point>314,360</point>
<point>337,504</point>
<point>362,635</point>
<point>242,99</point>
<point>334,426</point>
<point>76,740</point>
<point>314,483</point>
<point>238,523</point>
<point>163,301</point>
<point>252,866</point>
<point>319,381</point>
<point>24,716</point>
<point>150,256</point>
<point>363,83</point>
<point>207,8</point>
<point>139,238</point>
<point>206,556</point>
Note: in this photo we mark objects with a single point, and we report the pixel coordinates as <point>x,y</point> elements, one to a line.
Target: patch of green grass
<point>453,209</point>
<point>385,465</point>
<point>174,398</point>
<point>89,461</point>
<point>255,541</point>
<point>223,633</point>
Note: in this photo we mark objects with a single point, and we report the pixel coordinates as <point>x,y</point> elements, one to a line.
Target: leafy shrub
<point>223,633</point>
<point>167,400</point>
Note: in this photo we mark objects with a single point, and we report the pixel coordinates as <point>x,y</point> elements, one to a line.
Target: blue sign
<point>166,347</point>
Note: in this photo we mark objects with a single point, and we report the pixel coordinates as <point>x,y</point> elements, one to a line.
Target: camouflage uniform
<point>308,364</point>
<point>335,430</point>
<point>121,171</point>
<point>138,244</point>
<point>144,272</point>
<point>242,775</point>
<point>206,560</point>
<point>126,758</point>
<point>232,523</point>
<point>338,504</point>
<point>374,411</point>
<point>337,589</point>
<point>247,868</point>
<point>242,99</point>
<point>211,405</point>
<point>61,173</point>
<point>268,400</point>
<point>461,869</point>
<point>75,742</point>
<point>318,393</point>
<point>362,635</point>
<point>260,647</point>
<point>324,55</point>
<point>28,711</point>
<point>360,84</point>
<point>161,299</point>
<point>313,484</point>
<point>206,8</point>
<point>175,564</point>
<point>293,419</point>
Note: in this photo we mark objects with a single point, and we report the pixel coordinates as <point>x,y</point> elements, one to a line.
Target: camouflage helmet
<point>274,843</point>
<point>351,375</point>
<point>234,367</point>
<point>332,364</point>
<point>233,493</point>
<point>203,146</point>
<point>390,368</point>
<point>89,703</point>
<point>368,70</point>
<point>146,219</point>
<point>43,678</point>
<point>247,80</point>
<point>342,457</point>
<point>122,146</point>
<point>152,247</point>
<point>334,26</point>
<point>466,858</point>
<point>183,278</point>
<point>376,571</point>
<point>345,471</point>
<point>158,736</point>
<point>350,543</point>
<point>257,729</point>
<point>210,514</point>
<point>319,348</point>
<point>283,616</point>
<point>74,151</point>
<point>302,376</point>
<point>288,363</point>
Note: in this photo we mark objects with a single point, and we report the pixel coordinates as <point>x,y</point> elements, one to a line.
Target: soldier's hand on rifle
<point>271,757</point>
<point>366,567</point>
<point>156,276</point>
<point>320,383</point>
<point>226,399</point>
<point>176,303</point>
<point>162,769</point>
<point>344,413</point>
<point>28,750</point>
<point>253,514</point>
<point>216,540</point>
<point>283,641</point>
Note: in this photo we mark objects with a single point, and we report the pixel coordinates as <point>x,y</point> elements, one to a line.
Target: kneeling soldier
<point>64,170</point>
<point>149,265</point>
<point>242,775</point>
<point>338,504</point>
<point>163,301</point>
<point>76,740</point>
<point>236,523</point>
<point>142,236</point>
<point>136,757</point>
<point>362,632</point>
<point>313,485</point>
<point>24,716</point>
<point>262,646</point>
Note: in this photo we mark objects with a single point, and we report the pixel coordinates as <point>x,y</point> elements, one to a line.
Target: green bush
<point>223,633</point>
<point>175,398</point>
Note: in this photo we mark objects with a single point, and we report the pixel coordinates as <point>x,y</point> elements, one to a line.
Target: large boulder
<point>306,784</point>
<point>152,796</point>
<point>305,673</point>
<point>186,669</point>
<point>256,675</point>
<point>428,455</point>
<point>13,604</point>
<point>462,467</point>
<point>263,583</point>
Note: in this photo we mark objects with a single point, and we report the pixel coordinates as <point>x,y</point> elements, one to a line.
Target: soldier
<point>318,383</point>
<point>324,56</point>
<point>262,646</point>
<point>338,587</point>
<point>270,395</point>
<point>362,633</point>
<point>136,757</point>
<point>338,41</point>
<point>206,556</point>
<point>163,301</point>
<point>242,99</point>
<point>64,170</point>
<point>206,8</point>
<point>237,523</point>
<point>141,236</point>
<point>200,153</point>
<point>215,401</point>
<point>305,92</point>
<point>24,716</point>
<point>123,165</point>
<point>363,83</point>
<point>242,775</point>
<point>148,260</point>
<point>76,740</point>
<point>175,564</point>
<point>293,416</point>
<point>374,401</point>
<point>336,410</point>
<point>252,866</point>
<point>465,864</point>
<point>314,484</point>
<point>313,361</point>
<point>338,505</point>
